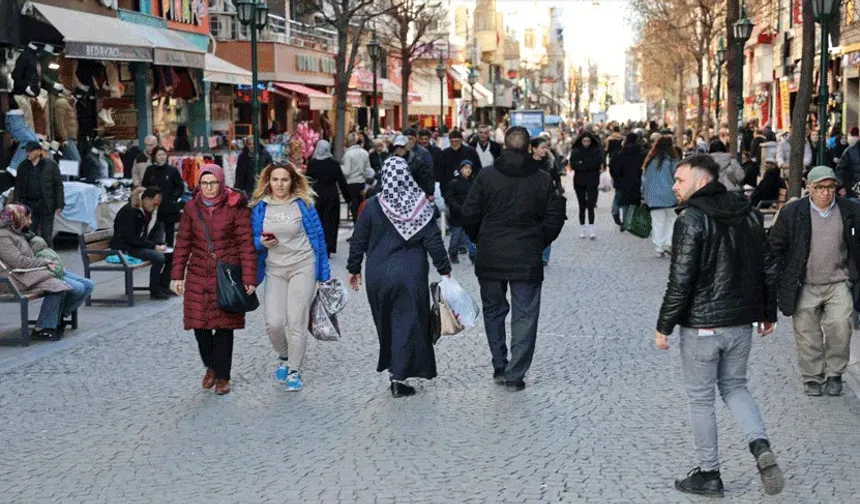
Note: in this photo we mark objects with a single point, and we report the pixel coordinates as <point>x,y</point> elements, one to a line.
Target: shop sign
<point>316,64</point>
<point>179,59</point>
<point>107,52</point>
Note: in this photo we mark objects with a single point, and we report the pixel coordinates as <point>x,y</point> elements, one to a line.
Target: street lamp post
<point>473,79</point>
<point>721,58</point>
<point>254,13</point>
<point>441,70</point>
<point>742,30</point>
<point>823,11</point>
<point>373,50</point>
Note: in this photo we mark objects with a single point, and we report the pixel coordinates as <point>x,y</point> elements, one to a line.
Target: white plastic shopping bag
<point>438,200</point>
<point>605,183</point>
<point>463,305</point>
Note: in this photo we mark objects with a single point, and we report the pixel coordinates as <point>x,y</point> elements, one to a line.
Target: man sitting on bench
<point>138,233</point>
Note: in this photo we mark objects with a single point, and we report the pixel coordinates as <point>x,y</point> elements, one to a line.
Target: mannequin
<point>26,84</point>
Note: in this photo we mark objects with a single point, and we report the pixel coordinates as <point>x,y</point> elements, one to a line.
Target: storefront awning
<point>170,48</point>
<point>391,93</point>
<point>90,36</point>
<point>316,100</point>
<point>224,72</point>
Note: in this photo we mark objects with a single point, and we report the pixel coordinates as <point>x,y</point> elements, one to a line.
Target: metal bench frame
<point>15,296</point>
<point>124,267</point>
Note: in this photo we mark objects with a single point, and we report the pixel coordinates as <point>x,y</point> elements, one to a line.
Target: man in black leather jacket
<point>722,280</point>
<point>848,170</point>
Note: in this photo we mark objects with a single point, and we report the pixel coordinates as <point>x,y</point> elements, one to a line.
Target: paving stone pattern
<point>121,418</point>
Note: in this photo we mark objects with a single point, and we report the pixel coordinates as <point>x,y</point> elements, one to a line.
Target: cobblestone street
<point>120,417</point>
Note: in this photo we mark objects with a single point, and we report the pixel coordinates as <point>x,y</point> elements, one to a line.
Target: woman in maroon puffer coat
<point>228,220</point>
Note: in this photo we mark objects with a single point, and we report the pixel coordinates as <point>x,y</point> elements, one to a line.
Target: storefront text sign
<point>84,50</point>
<point>179,58</point>
<point>316,64</point>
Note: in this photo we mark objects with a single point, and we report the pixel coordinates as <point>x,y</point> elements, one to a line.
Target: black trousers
<point>216,350</point>
<point>159,272</point>
<point>354,199</point>
<point>586,197</point>
<point>43,224</point>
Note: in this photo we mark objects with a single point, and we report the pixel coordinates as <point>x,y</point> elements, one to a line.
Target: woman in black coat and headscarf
<point>169,181</point>
<point>626,170</point>
<point>586,160</point>
<point>326,176</point>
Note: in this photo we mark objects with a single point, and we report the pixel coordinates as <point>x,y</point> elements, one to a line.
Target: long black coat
<point>449,164</point>
<point>397,285</point>
<point>790,239</point>
<point>246,177</point>
<point>50,181</point>
<point>626,170</point>
<point>326,176</point>
<point>512,213</point>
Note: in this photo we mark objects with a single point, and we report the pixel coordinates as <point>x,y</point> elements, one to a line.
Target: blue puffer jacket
<point>657,184</point>
<point>313,228</point>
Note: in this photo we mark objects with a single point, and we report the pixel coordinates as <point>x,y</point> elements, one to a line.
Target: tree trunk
<point>405,74</point>
<point>341,88</point>
<point>734,75</point>
<point>681,109</point>
<point>801,105</point>
<point>700,90</point>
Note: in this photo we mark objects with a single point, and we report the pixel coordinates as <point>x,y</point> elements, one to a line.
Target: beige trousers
<point>822,330</point>
<point>287,302</point>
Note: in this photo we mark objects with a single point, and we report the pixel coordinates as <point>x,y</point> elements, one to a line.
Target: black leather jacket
<point>848,169</point>
<point>723,273</point>
<point>790,239</point>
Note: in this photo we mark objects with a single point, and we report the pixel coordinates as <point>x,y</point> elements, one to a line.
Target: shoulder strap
<point>205,229</point>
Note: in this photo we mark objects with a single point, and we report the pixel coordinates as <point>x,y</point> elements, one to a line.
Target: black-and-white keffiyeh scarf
<point>403,202</point>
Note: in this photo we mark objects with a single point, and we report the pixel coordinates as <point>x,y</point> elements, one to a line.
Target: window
<point>529,38</point>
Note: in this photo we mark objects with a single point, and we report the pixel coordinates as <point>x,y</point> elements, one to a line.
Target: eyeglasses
<point>827,188</point>
<point>210,184</point>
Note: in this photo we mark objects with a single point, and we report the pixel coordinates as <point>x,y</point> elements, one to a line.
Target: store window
<point>529,38</point>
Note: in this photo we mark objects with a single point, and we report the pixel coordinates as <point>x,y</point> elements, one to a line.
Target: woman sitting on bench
<point>34,276</point>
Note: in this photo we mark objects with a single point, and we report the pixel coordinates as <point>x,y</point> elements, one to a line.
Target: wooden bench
<point>10,294</point>
<point>96,246</point>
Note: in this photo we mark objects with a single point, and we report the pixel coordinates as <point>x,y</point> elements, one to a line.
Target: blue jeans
<point>545,255</point>
<point>616,203</point>
<point>17,127</point>
<point>70,151</point>
<point>459,238</point>
<point>81,290</point>
<point>719,360</point>
<point>525,298</point>
<point>49,313</point>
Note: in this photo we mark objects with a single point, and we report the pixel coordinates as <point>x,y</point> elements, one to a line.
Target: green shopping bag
<point>638,221</point>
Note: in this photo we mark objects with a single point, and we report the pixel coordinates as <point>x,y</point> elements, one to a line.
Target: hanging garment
<point>40,117</point>
<point>25,75</point>
<point>65,120</point>
<point>112,73</point>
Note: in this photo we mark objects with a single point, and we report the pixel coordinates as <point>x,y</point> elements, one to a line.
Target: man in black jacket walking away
<point>816,243</point>
<point>722,280</point>
<point>512,213</point>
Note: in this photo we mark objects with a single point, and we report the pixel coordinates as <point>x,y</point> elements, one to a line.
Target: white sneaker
<point>582,232</point>
<point>591,232</point>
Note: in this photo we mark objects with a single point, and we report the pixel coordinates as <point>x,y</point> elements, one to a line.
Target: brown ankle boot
<point>222,386</point>
<point>209,378</point>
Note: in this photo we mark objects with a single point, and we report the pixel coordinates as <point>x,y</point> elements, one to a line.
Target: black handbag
<point>231,295</point>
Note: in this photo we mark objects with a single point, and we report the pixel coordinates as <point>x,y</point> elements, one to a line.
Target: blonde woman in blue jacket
<point>292,258</point>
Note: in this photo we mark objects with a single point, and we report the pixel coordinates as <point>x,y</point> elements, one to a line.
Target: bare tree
<point>410,29</point>
<point>665,67</point>
<point>348,18</point>
<point>801,105</point>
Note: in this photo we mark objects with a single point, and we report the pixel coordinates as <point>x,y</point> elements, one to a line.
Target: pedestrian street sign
<point>532,120</point>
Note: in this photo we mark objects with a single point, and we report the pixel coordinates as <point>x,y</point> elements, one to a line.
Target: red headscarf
<point>14,216</point>
<point>222,186</point>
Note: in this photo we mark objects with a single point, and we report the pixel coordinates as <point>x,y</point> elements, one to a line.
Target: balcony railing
<point>226,26</point>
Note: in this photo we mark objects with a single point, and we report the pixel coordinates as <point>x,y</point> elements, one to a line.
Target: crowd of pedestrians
<point>504,206</point>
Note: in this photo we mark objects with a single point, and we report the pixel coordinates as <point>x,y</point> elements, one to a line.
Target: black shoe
<point>812,389</point>
<point>168,292</point>
<point>46,335</point>
<point>617,219</point>
<point>833,386</point>
<point>771,474</point>
<point>623,229</point>
<point>515,385</point>
<point>454,259</point>
<point>399,389</point>
<point>159,295</point>
<point>701,483</point>
<point>499,376</point>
